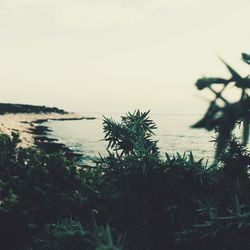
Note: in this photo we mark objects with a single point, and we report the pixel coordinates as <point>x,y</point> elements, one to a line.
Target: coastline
<point>32,132</point>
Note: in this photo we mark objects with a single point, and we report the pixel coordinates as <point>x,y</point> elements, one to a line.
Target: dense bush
<point>36,189</point>
<point>70,234</point>
<point>177,202</point>
<point>132,199</point>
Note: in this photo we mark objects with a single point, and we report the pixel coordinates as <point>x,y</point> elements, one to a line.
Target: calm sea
<point>173,132</point>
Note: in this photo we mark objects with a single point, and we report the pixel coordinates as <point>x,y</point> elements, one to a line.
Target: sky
<point>118,55</point>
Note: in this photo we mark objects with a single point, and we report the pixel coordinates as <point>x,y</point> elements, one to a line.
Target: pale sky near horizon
<point>118,55</point>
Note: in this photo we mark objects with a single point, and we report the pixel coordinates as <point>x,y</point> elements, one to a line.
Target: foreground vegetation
<point>132,199</point>
<point>224,115</point>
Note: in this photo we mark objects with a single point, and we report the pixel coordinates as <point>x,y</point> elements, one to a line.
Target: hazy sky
<point>118,55</point>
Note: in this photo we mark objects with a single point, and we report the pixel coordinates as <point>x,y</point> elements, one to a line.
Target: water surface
<point>173,132</point>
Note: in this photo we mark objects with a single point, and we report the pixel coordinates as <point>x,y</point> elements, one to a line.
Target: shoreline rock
<point>33,133</point>
<point>27,120</point>
<point>49,144</point>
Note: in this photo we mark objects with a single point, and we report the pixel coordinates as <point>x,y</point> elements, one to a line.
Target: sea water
<point>174,134</point>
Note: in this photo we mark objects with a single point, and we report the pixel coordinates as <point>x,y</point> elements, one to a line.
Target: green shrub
<point>70,234</point>
<point>37,189</point>
<point>150,202</point>
<point>172,203</point>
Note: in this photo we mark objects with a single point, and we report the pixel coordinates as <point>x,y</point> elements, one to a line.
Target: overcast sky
<point>118,55</point>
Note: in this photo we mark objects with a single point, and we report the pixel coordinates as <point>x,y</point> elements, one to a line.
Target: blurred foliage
<point>70,234</point>
<point>133,198</point>
<point>36,189</point>
<point>223,115</point>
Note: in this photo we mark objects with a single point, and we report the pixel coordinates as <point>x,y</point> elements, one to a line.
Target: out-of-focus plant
<point>71,234</point>
<point>222,114</point>
<point>36,189</point>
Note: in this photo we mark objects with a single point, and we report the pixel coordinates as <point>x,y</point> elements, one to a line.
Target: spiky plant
<point>225,117</point>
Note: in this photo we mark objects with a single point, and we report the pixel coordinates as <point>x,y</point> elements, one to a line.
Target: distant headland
<point>14,108</point>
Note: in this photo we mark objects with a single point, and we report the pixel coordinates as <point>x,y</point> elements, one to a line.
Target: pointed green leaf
<point>208,81</point>
<point>245,131</point>
<point>235,76</point>
<point>246,58</point>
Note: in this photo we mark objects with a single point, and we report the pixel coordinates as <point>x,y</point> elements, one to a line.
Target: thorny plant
<point>226,116</point>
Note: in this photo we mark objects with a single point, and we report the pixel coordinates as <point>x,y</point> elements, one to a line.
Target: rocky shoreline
<point>28,121</point>
<point>51,145</point>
